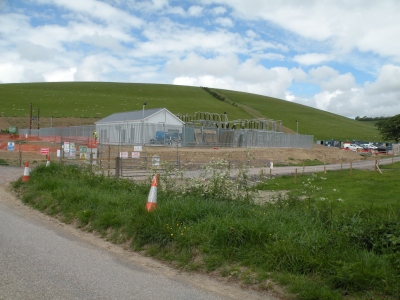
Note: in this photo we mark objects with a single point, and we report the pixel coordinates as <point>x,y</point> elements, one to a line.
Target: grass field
<point>323,125</point>
<point>331,237</point>
<point>100,99</point>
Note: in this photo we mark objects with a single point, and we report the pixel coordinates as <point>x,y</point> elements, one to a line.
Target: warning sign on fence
<point>44,151</point>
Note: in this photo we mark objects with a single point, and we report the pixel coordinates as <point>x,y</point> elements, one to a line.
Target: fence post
<point>117,167</point>
<point>20,154</point>
<point>295,176</point>
<point>109,159</point>
<point>61,151</point>
<point>351,168</point>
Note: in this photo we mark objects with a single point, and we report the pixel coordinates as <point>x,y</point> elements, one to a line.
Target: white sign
<point>137,148</point>
<point>135,154</point>
<point>66,147</point>
<point>123,154</point>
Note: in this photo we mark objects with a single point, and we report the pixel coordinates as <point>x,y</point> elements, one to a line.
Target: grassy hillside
<point>323,125</point>
<point>100,99</point>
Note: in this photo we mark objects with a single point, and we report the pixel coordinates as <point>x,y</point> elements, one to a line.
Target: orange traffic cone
<point>26,176</point>
<point>48,161</point>
<point>152,199</point>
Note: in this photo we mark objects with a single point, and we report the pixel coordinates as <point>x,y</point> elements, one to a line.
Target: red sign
<point>44,151</point>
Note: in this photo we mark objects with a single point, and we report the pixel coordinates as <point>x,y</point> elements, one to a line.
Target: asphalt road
<point>37,262</point>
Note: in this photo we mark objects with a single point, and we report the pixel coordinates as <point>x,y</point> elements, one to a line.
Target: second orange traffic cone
<point>26,176</point>
<point>152,199</point>
<point>48,161</point>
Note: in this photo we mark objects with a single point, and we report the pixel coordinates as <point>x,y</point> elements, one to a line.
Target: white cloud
<point>34,52</point>
<point>324,99</point>
<point>10,72</point>
<point>229,73</point>
<point>225,22</point>
<point>195,11</point>
<point>101,10</point>
<point>364,25</point>
<point>388,82</point>
<point>312,58</point>
<point>219,10</point>
<point>60,75</point>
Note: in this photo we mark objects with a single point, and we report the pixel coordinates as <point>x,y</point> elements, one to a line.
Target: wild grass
<point>3,162</point>
<point>320,242</point>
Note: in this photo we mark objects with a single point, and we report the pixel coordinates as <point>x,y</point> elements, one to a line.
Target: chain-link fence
<point>161,134</point>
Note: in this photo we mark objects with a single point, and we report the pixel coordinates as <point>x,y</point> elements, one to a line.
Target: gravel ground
<point>9,174</point>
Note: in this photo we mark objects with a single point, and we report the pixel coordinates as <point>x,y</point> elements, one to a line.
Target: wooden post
<point>324,169</point>
<point>261,174</point>
<point>376,163</point>
<point>351,168</point>
<point>117,167</point>
<point>20,154</point>
<point>295,176</point>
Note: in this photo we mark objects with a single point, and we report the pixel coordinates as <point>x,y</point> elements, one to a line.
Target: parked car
<point>370,146</point>
<point>354,147</point>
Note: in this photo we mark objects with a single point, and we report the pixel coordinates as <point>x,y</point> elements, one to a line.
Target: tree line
<point>365,118</point>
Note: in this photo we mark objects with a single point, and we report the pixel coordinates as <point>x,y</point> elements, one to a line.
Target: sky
<point>340,56</point>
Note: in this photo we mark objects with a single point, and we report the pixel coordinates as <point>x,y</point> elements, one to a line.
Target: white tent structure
<point>151,126</point>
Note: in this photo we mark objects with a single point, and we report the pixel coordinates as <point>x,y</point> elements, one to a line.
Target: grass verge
<point>316,248</point>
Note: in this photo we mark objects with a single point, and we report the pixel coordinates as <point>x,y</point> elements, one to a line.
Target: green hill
<point>323,125</point>
<point>100,99</point>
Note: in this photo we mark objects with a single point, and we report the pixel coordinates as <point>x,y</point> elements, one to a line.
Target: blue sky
<point>336,55</point>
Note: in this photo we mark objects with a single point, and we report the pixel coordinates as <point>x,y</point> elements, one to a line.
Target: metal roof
<point>130,116</point>
<point>136,115</point>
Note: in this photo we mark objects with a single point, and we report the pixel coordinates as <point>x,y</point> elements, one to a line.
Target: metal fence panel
<point>162,134</point>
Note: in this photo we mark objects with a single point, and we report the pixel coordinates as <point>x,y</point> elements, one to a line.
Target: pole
<point>144,104</point>
<point>38,119</point>
<point>30,118</point>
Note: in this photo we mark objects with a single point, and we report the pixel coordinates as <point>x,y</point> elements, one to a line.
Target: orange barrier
<point>152,199</point>
<point>26,177</point>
